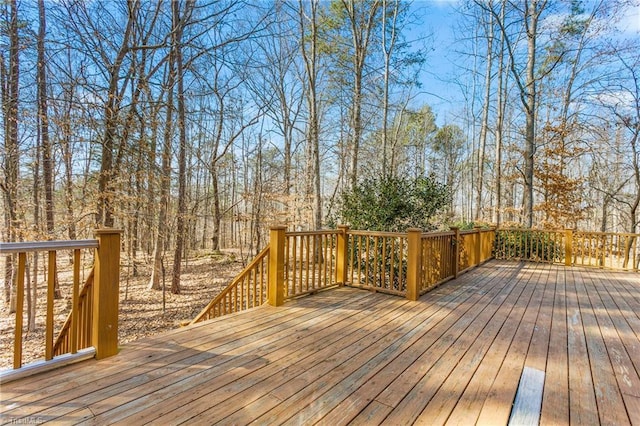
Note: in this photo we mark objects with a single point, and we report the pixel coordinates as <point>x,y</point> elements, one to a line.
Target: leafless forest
<point>196,125</point>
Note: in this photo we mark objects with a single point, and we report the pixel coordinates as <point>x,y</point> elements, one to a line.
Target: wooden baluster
<point>17,343</point>
<point>51,282</point>
<point>75,301</point>
<point>455,257</point>
<point>393,263</point>
<point>367,260</point>
<point>383,282</point>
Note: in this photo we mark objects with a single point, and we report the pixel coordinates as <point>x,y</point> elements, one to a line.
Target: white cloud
<point>630,22</point>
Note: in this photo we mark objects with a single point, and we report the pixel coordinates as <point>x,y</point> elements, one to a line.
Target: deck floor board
<point>348,356</point>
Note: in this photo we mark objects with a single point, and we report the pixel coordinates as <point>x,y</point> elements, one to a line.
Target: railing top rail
<point>23,247</point>
<point>476,230</point>
<point>575,232</point>
<point>438,234</point>
<point>598,233</point>
<point>304,233</point>
<point>532,230</point>
<point>378,233</point>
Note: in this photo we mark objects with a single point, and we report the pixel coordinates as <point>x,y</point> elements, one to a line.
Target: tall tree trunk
<point>217,211</point>
<point>501,101</point>
<point>165,180</point>
<point>12,155</point>
<point>43,131</point>
<point>531,19</point>
<point>182,151</point>
<point>43,115</point>
<point>527,93</point>
<point>6,218</point>
<point>111,109</point>
<point>362,18</point>
<point>485,119</point>
<point>310,56</point>
<point>31,296</point>
<point>388,44</point>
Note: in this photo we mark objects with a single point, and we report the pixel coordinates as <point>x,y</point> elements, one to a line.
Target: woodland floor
<point>141,309</point>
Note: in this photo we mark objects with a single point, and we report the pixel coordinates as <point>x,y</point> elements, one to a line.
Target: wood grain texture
<point>348,356</point>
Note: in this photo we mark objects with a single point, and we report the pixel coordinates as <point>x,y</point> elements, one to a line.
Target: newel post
<point>276,265</point>
<point>106,291</point>
<point>568,247</point>
<point>478,247</point>
<point>414,263</point>
<point>342,259</point>
<point>455,254</point>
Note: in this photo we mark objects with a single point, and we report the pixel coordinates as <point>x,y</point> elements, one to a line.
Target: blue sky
<point>440,20</point>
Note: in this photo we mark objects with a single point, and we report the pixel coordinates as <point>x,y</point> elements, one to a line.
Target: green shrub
<point>393,204</point>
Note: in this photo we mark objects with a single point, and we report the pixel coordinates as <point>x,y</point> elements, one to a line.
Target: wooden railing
<point>531,244</point>
<point>299,263</point>
<point>247,290</point>
<point>309,262</point>
<point>606,250</point>
<point>438,259</point>
<point>475,247</point>
<point>378,261</point>
<point>93,320</point>
<point>76,331</point>
<point>619,251</point>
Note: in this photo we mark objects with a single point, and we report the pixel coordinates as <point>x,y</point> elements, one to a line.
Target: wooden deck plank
<point>627,381</point>
<point>436,364</point>
<point>629,341</point>
<point>528,401</point>
<point>247,353</point>
<point>446,398</point>
<point>295,396</point>
<point>174,357</point>
<point>281,366</point>
<point>611,408</point>
<point>622,296</point>
<point>366,393</point>
<point>238,418</point>
<point>555,398</point>
<point>497,406</point>
<point>344,390</point>
<point>144,351</point>
<point>470,403</point>
<point>349,356</point>
<point>582,400</point>
<point>437,343</point>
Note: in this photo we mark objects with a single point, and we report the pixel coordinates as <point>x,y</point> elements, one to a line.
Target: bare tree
<point>526,80</point>
<point>309,48</point>
<point>180,21</point>
<point>10,102</point>
<point>362,19</point>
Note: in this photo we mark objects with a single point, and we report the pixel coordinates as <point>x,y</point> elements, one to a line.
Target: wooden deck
<point>349,356</point>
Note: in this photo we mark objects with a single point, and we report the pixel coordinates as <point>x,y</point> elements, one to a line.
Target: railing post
<point>568,247</point>
<point>106,288</point>
<point>478,247</point>
<point>414,263</point>
<point>492,246</point>
<point>342,259</point>
<point>456,251</point>
<point>276,265</point>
